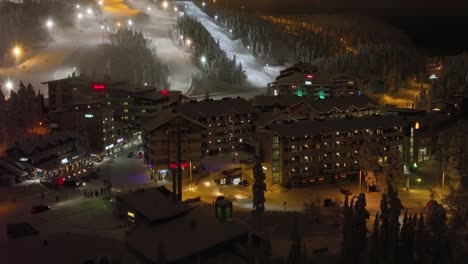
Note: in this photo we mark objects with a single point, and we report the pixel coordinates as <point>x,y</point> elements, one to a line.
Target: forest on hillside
<point>132,57</point>
<point>354,44</point>
<point>206,53</point>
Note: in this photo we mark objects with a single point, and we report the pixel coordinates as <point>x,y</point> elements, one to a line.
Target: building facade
<point>308,152</point>
<point>229,124</point>
<point>161,144</point>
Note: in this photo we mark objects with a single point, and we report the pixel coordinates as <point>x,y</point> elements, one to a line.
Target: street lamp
<point>165,4</point>
<point>100,3</point>
<point>130,22</point>
<point>9,84</point>
<point>148,8</point>
<point>175,9</point>
<point>89,11</point>
<point>188,42</point>
<point>77,6</point>
<point>203,59</point>
<point>203,4</point>
<point>216,17</point>
<point>418,180</point>
<point>80,16</point>
<point>49,23</point>
<point>17,51</point>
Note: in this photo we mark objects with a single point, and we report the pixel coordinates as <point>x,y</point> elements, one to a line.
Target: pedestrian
<point>102,191</point>
<point>96,193</point>
<point>42,195</point>
<point>85,195</point>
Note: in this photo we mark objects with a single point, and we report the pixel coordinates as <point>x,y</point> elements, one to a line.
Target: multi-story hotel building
<point>160,144</point>
<point>229,123</point>
<point>305,80</point>
<point>308,152</point>
<point>309,108</point>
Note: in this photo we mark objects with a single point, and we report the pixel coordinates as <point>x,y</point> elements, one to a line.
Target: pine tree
<point>454,153</point>
<point>259,187</point>
<point>3,119</point>
<point>374,250</point>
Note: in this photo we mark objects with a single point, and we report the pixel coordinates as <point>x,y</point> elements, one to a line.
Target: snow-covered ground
<point>257,74</point>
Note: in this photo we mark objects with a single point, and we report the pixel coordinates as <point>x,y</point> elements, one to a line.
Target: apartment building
<point>160,144</point>
<point>307,152</point>
<point>229,123</point>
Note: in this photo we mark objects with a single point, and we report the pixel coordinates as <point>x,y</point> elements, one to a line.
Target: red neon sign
<point>99,86</point>
<point>164,92</point>
<point>174,165</point>
<point>310,76</point>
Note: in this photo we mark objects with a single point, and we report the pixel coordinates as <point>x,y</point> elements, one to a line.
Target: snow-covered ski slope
<point>257,74</point>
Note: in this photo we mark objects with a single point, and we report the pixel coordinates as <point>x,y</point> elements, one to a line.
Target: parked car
<point>72,183</point>
<point>39,209</point>
<point>20,229</point>
<point>327,203</point>
<point>131,154</point>
<point>346,192</point>
<point>244,183</point>
<point>140,155</point>
<point>248,161</point>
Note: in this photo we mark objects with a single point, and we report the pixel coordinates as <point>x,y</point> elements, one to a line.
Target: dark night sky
<point>436,26</point>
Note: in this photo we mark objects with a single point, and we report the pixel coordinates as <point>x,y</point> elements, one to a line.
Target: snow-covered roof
<point>153,204</point>
<point>184,237</point>
<point>12,168</point>
<point>164,116</point>
<point>213,108</point>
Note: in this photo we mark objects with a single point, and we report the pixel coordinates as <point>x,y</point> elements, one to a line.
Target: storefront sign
<point>65,161</point>
<point>75,157</point>
<point>23,159</point>
<point>110,146</point>
<point>120,140</point>
<point>88,116</point>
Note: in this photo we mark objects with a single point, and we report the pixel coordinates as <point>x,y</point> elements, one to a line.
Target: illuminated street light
<point>189,42</point>
<point>80,16</point>
<point>100,3</point>
<point>102,27</point>
<point>148,8</point>
<point>89,11</point>
<point>203,59</point>
<point>216,17</point>
<point>203,4</point>
<point>130,22</point>
<point>230,31</point>
<point>181,37</point>
<point>9,84</point>
<point>49,23</point>
<point>118,24</point>
<point>17,51</point>
<point>175,9</point>
<point>165,4</point>
<point>77,6</point>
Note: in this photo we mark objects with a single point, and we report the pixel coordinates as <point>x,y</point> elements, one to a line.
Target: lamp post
<point>418,180</point>
<point>17,53</point>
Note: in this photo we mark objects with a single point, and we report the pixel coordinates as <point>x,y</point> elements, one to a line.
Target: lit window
<point>125,103</point>
<point>292,158</point>
<point>108,103</point>
<point>219,140</point>
<point>337,165</point>
<point>240,139</point>
<point>355,162</point>
<point>306,157</point>
<point>126,110</point>
<point>337,133</point>
<point>337,154</point>
<point>89,106</point>
<point>325,165</point>
<point>143,110</point>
